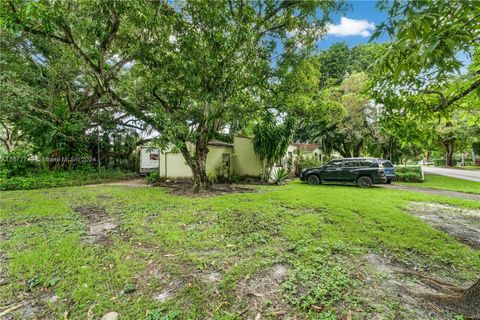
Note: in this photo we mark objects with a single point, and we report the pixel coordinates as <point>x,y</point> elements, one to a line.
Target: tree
<point>428,38</point>
<point>203,67</point>
<point>58,59</point>
<point>271,140</point>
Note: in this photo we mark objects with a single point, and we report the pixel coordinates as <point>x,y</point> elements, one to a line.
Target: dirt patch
<point>260,296</point>
<point>158,282</point>
<point>183,188</point>
<point>99,224</point>
<point>31,306</point>
<point>389,289</point>
<point>133,183</point>
<point>463,224</point>
<point>447,193</point>
<point>169,291</point>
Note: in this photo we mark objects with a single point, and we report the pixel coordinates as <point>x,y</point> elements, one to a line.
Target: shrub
<point>212,177</point>
<point>305,162</point>
<point>50,179</point>
<point>16,163</point>
<point>408,174</point>
<point>280,176</point>
<point>153,177</point>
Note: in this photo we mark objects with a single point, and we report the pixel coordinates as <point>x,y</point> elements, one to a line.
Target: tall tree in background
<point>62,57</point>
<point>428,39</point>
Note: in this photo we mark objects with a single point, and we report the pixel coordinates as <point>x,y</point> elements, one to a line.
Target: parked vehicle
<point>426,162</point>
<point>362,171</point>
<point>389,170</point>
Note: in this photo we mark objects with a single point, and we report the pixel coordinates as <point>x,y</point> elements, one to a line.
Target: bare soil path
<point>135,183</point>
<point>463,224</point>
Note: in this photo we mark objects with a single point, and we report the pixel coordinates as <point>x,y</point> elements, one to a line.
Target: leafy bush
<point>408,174</point>
<point>50,179</point>
<point>305,162</point>
<point>17,164</point>
<point>212,177</point>
<point>280,176</point>
<point>439,162</point>
<point>153,177</point>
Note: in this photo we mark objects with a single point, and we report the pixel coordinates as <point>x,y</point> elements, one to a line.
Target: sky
<point>355,26</point>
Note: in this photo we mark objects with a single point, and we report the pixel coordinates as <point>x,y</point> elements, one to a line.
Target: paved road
<point>471,175</point>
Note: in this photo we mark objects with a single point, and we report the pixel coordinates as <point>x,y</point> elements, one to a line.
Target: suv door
<point>350,170</point>
<point>332,170</point>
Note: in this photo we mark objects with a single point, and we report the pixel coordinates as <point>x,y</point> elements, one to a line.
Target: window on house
<point>226,159</point>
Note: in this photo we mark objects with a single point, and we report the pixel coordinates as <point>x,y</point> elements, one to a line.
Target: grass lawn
<point>447,183</point>
<point>296,251</point>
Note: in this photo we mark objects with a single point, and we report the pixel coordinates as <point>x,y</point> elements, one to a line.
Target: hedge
<point>408,174</point>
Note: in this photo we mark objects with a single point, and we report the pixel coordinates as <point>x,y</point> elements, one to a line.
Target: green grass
<point>447,183</point>
<point>319,232</point>
<point>50,179</point>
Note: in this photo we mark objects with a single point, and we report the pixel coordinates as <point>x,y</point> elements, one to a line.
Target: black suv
<point>362,171</point>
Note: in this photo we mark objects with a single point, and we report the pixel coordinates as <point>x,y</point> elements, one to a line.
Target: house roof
<point>307,146</point>
<point>219,143</point>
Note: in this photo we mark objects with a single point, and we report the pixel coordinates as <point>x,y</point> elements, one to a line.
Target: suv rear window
<point>387,164</point>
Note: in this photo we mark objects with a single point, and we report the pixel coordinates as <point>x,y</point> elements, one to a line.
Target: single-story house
<point>223,159</point>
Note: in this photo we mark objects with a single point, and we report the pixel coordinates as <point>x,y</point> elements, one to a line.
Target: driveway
<point>471,175</point>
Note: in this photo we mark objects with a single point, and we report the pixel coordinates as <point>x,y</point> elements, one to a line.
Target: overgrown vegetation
<point>203,258</point>
<point>46,179</point>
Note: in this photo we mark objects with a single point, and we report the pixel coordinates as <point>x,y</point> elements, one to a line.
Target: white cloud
<point>351,27</point>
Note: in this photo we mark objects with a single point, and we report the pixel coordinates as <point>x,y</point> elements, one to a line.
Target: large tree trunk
<point>449,145</point>
<point>9,139</point>
<point>198,164</point>
<point>357,149</point>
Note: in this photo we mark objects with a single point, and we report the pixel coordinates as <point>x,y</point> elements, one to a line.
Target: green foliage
<point>153,176</point>
<point>280,176</point>
<point>318,238</point>
<point>271,139</point>
<point>46,179</point>
<point>212,177</point>
<point>476,147</point>
<point>408,174</point>
<point>161,315</point>
<point>304,162</point>
<point>17,163</point>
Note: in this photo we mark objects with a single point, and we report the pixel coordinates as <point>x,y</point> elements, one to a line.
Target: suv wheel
<point>364,182</point>
<point>313,179</point>
<point>389,181</point>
